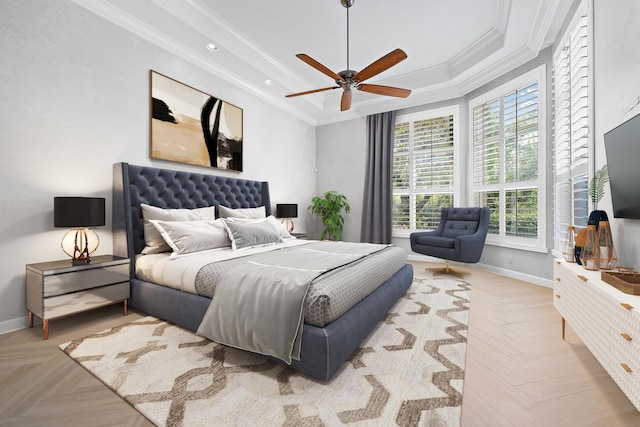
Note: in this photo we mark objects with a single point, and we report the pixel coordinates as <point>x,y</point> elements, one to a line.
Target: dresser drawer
<point>85,300</point>
<point>63,283</point>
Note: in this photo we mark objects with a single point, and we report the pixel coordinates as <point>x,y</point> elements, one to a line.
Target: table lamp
<point>287,211</point>
<point>79,213</point>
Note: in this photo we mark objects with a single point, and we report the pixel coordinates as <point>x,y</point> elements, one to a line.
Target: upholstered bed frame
<point>324,350</point>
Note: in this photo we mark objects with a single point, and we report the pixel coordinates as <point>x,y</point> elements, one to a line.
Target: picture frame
<point>190,126</point>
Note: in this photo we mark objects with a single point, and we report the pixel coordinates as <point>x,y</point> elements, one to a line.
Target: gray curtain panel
<point>377,208</point>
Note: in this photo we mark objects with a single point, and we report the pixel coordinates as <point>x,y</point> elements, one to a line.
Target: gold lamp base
<point>447,270</point>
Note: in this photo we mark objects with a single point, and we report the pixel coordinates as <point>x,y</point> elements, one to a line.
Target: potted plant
<point>329,209</point>
<point>596,192</point>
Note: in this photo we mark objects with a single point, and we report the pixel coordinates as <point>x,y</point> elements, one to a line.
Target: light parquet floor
<point>519,371</point>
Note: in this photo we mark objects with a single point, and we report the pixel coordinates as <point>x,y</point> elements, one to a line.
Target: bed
<point>323,349</point>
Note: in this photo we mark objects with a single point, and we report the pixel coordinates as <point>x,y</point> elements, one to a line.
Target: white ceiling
<point>453,46</point>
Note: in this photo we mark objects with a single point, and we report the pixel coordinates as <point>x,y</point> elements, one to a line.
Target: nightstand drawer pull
<point>626,367</point>
<point>557,296</point>
<point>558,261</point>
<point>627,306</point>
<point>626,336</point>
<point>581,277</point>
<point>558,279</point>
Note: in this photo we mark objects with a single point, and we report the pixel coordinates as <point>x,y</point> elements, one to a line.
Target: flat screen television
<point>622,146</point>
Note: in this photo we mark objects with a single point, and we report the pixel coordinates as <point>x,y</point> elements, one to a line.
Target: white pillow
<point>226,212</point>
<point>249,234</point>
<point>193,236</point>
<point>152,238</point>
<point>280,228</point>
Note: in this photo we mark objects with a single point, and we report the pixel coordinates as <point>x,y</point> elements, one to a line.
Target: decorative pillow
<point>152,238</point>
<point>280,228</point>
<point>226,212</point>
<point>186,237</point>
<point>244,235</point>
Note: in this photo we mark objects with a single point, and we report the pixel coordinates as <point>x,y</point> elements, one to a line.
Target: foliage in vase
<point>596,187</point>
<point>329,209</point>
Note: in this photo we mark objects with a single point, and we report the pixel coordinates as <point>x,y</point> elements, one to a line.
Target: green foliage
<point>329,209</point>
<point>596,187</point>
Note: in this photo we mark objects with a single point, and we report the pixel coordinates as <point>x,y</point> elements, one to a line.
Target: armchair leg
<point>447,270</point>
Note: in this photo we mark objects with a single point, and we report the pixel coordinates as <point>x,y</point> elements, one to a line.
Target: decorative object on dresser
<point>596,192</point>
<point>190,126</point>
<point>79,213</point>
<point>56,289</point>
<point>589,253</point>
<point>286,212</point>
<point>606,320</point>
<point>624,279</point>
<point>580,238</point>
<point>607,257</point>
<point>569,247</point>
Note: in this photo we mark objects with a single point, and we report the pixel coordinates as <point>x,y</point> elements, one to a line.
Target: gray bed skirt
<point>324,350</point>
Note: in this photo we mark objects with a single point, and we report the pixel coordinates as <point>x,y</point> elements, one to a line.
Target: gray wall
<point>617,89</point>
<point>341,163</point>
<point>75,100</point>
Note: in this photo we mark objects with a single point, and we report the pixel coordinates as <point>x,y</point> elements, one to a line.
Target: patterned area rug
<point>409,371</point>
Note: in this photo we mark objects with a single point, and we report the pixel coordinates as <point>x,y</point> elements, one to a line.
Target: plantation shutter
<point>571,128</point>
<point>423,170</point>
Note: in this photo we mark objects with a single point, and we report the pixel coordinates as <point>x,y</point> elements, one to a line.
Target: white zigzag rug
<point>408,372</point>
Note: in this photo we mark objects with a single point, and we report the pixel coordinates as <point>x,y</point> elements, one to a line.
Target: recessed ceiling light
<point>268,82</point>
<point>212,47</point>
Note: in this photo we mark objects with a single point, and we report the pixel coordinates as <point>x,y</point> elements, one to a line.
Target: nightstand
<point>57,288</point>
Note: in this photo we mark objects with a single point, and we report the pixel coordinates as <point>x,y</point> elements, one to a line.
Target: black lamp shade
<point>78,211</point>
<point>287,210</point>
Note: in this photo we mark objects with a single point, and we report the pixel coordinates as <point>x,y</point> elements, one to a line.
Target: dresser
<point>606,320</point>
<point>58,288</point>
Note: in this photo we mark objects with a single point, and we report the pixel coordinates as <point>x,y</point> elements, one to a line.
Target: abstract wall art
<point>190,126</point>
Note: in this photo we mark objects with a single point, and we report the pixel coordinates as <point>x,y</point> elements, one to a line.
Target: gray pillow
<point>226,212</point>
<point>193,236</point>
<point>244,235</point>
<point>152,238</point>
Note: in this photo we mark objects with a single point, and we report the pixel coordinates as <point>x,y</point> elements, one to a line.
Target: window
<point>423,168</point>
<point>507,145</point>
<point>572,123</point>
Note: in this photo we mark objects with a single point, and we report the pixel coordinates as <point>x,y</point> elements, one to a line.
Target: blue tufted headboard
<point>166,188</point>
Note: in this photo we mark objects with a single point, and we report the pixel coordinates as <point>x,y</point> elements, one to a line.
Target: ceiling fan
<point>350,79</point>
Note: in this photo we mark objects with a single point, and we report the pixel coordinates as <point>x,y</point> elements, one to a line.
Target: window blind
<point>423,170</point>
<point>571,129</point>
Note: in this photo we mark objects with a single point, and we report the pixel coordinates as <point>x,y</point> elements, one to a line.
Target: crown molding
<point>541,24</point>
<point>152,35</point>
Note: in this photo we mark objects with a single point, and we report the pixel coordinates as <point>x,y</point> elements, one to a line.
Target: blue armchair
<point>459,237</point>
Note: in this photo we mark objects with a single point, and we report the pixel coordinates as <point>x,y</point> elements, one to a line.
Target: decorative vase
<point>580,238</point>
<point>568,249</point>
<point>589,254</point>
<point>595,217</point>
<point>606,257</point>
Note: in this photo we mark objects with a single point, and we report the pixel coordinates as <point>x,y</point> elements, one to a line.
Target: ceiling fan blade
<point>318,66</point>
<point>311,91</point>
<point>384,63</point>
<point>345,102</point>
<point>384,90</point>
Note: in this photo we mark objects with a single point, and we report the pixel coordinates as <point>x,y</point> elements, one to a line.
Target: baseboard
<point>547,283</point>
<point>13,324</point>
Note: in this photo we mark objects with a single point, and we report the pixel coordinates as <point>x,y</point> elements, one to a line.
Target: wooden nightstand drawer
<point>85,300</point>
<point>59,284</point>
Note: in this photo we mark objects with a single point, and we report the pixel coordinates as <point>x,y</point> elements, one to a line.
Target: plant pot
<point>596,216</point>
